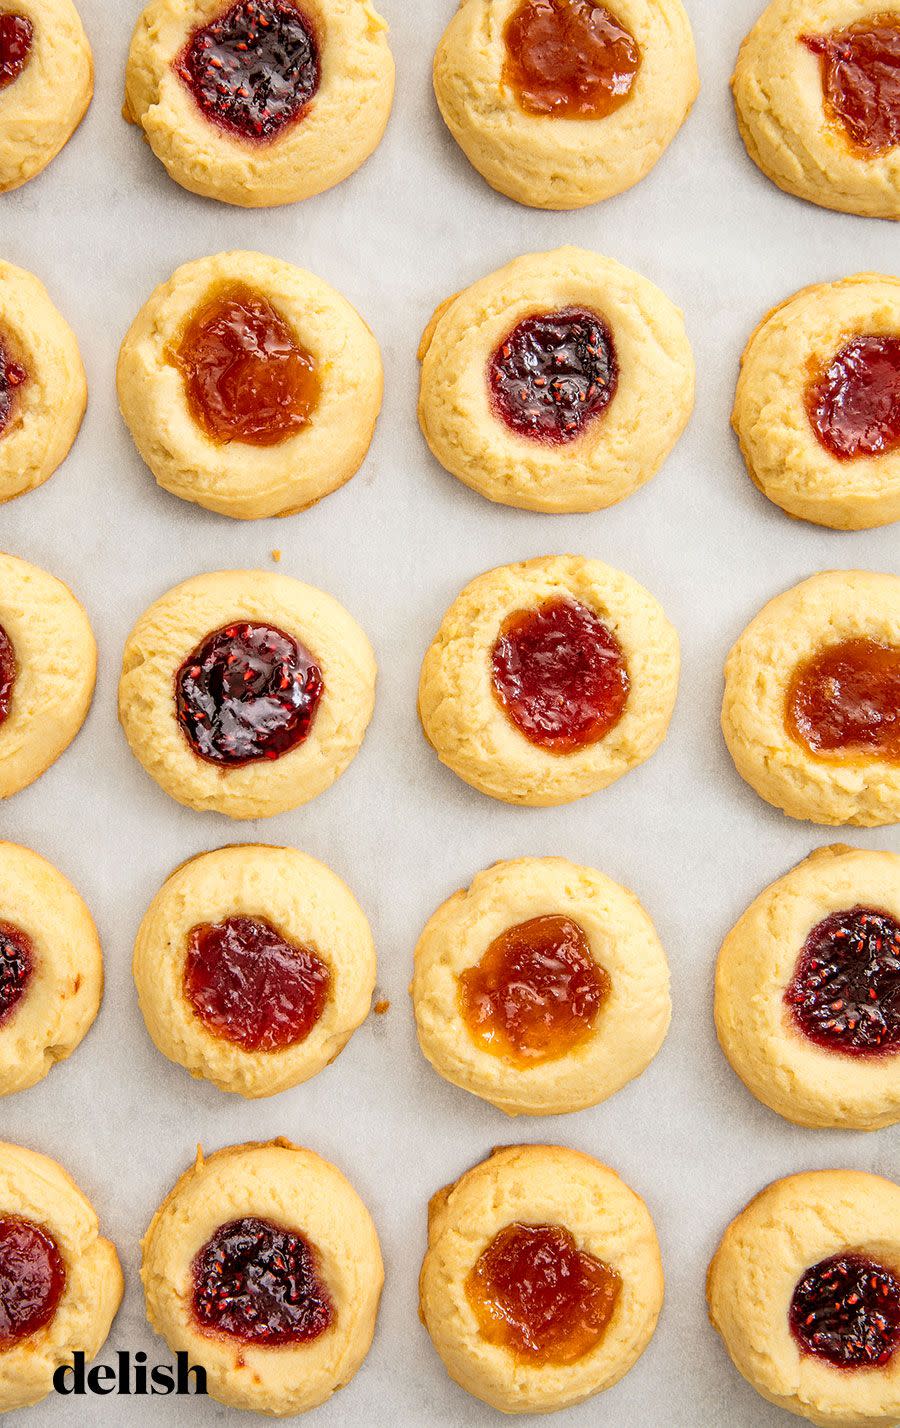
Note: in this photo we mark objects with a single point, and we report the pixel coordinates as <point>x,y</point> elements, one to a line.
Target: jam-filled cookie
<point>246,692</point>
<point>542,988</point>
<point>254,966</point>
<point>542,1282</point>
<point>46,84</point>
<point>260,102</point>
<point>559,383</point>
<point>250,386</point>
<point>561,103</point>
<point>48,665</point>
<point>817,409</point>
<point>811,713</point>
<point>805,1291</point>
<point>263,1265</point>
<point>817,91</point>
<point>549,679</point>
<point>808,991</point>
<point>43,390</point>
<point>61,1280</point>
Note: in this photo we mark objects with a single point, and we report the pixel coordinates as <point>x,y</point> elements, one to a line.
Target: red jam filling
<point>845,701</point>
<point>845,992</point>
<point>12,375</point>
<point>536,1294</point>
<point>32,1279</point>
<point>16,35</point>
<point>560,675</point>
<point>854,403</point>
<point>16,968</point>
<point>8,669</point>
<point>261,1284</point>
<point>569,58</point>
<point>861,81</point>
<point>536,993</point>
<point>553,375</point>
<point>254,69</point>
<point>249,692</point>
<point>846,1310</point>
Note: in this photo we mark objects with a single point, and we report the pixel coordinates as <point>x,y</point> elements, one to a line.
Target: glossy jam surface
<point>249,692</point>
<point>32,1279</point>
<point>535,1293</point>
<point>861,81</point>
<point>845,992</point>
<point>12,376</point>
<point>560,675</point>
<point>844,702</point>
<point>260,1283</point>
<point>553,375</point>
<point>854,404</point>
<point>16,34</point>
<point>245,375</point>
<point>7,673</point>
<point>536,993</point>
<point>846,1310</point>
<point>254,69</point>
<point>16,968</point>
<point>570,59</point>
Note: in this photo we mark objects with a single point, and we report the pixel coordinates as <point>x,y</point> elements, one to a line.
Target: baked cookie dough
<point>46,84</point>
<point>295,1247</point>
<point>811,713</point>
<point>246,692</point>
<point>561,103</point>
<point>817,409</point>
<point>48,664</point>
<point>549,679</point>
<point>805,1291</point>
<point>43,390</point>
<point>816,104</point>
<point>542,988</point>
<point>533,1219</point>
<point>808,991</point>
<point>66,1305</point>
<point>260,102</point>
<point>559,383</point>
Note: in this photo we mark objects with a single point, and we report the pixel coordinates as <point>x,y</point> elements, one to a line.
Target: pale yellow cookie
<point>758,1282</point>
<point>46,84</point>
<point>810,410</point>
<point>336,130</point>
<point>48,664</point>
<point>330,683</point>
<point>648,362</point>
<point>533,152</point>
<point>562,1190</point>
<point>611,982</point>
<point>816,621</point>
<point>293,1193</point>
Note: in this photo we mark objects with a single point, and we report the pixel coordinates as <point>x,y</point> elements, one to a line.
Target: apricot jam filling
<point>853,404</point>
<point>12,378</point>
<point>261,1284</point>
<point>570,59</point>
<point>846,1310</point>
<point>861,81</point>
<point>16,968</point>
<point>554,375</point>
<point>32,1279</point>
<point>844,702</point>
<point>8,669</point>
<point>16,35</point>
<point>845,991</point>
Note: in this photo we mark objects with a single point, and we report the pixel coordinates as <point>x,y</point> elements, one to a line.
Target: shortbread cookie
<point>46,84</point>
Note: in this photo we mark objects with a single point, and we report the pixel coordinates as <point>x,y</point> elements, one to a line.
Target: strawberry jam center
<point>16,968</point>
<point>854,404</point>
<point>12,375</point>
<point>8,669</point>
<point>249,692</point>
<point>260,1283</point>
<point>254,69</point>
<point>861,81</point>
<point>536,992</point>
<point>560,675</point>
<point>553,375</point>
<point>251,986</point>
<point>16,35</point>
<point>845,701</point>
<point>846,1310</point>
<point>536,1294</point>
<point>569,58</point>
<point>32,1279</point>
<point>845,992</point>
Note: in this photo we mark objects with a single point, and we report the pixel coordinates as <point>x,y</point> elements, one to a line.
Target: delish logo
<point>130,1376</point>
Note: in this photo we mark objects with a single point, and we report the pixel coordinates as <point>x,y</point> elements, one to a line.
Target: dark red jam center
<point>32,1279</point>
<point>845,992</point>
<point>554,374</point>
<point>16,968</point>
<point>845,701</point>
<point>846,1310</point>
<point>260,1283</point>
<point>569,58</point>
<point>12,375</point>
<point>254,69</point>
<point>8,669</point>
<point>249,692</point>
<point>560,675</point>
<point>16,34</point>
<point>854,404</point>
<point>861,81</point>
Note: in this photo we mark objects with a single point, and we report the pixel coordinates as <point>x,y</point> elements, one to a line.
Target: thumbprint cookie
<point>559,383</point>
<point>46,84</point>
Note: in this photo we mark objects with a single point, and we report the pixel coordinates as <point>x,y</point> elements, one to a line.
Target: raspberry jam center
<point>249,692</point>
<point>845,701</point>
<point>8,669</point>
<point>16,968</point>
<point>254,69</point>
<point>260,1283</point>
<point>846,1310</point>
<point>569,58</point>
<point>536,993</point>
<point>249,985</point>
<point>32,1279</point>
<point>16,35</point>
<point>845,992</point>
<point>560,675</point>
<point>12,375</point>
<point>536,1294</point>
<point>861,81</point>
<point>854,404</point>
<point>553,375</point>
